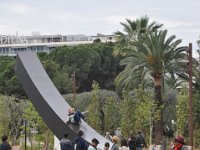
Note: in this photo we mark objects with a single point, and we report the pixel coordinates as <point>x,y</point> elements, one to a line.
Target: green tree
<point>138,110</point>
<point>112,116</point>
<point>42,56</point>
<point>106,66</point>
<point>62,82</point>
<point>134,30</point>
<point>127,107</point>
<point>94,108</point>
<point>153,57</point>
<point>196,102</point>
<point>182,113</point>
<point>90,62</point>
<point>59,76</point>
<point>97,40</point>
<point>12,108</point>
<point>35,123</point>
<point>147,110</point>
<point>4,117</point>
<point>9,84</point>
<point>173,81</point>
<point>103,110</point>
<point>51,68</point>
<point>196,117</point>
<point>77,58</point>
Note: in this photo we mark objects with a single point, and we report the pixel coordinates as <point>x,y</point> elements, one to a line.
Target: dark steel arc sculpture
<point>47,100</point>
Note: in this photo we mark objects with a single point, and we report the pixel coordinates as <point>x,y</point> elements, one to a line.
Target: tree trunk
<point>158,124</point>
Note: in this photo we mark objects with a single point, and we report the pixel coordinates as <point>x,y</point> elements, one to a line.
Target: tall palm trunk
<point>158,124</point>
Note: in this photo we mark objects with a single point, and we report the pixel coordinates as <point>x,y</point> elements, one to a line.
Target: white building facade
<point>10,45</point>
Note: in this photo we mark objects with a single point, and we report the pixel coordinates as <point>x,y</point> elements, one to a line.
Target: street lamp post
<point>190,95</point>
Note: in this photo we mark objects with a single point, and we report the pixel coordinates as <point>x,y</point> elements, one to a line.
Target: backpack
<point>77,117</point>
<point>140,139</point>
<point>81,145</point>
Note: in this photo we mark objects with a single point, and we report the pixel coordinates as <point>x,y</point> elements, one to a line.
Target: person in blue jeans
<point>140,141</point>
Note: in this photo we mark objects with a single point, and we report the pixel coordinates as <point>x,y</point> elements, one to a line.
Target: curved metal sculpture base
<point>49,103</point>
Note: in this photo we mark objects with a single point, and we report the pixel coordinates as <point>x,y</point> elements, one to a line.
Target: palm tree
<point>173,81</point>
<point>133,30</point>
<point>155,55</point>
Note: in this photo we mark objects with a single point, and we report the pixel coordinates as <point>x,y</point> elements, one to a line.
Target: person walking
<point>115,145</point>
<point>79,143</point>
<point>5,145</point>
<point>94,144</point>
<point>140,141</point>
<point>65,143</point>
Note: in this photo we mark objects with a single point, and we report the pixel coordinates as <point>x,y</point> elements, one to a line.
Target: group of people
<point>75,117</point>
<point>133,143</point>
<point>79,143</point>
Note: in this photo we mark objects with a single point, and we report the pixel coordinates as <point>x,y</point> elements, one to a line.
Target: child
<point>74,116</point>
<point>108,136</point>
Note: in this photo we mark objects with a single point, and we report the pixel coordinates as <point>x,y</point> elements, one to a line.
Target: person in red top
<point>179,143</point>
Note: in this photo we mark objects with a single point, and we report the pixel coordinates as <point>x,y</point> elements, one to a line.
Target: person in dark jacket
<point>132,143</point>
<point>79,143</point>
<point>5,145</point>
<point>66,144</point>
<point>140,141</point>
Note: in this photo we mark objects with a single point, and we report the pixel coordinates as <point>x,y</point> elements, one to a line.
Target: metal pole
<point>74,84</point>
<point>25,134</point>
<point>190,95</point>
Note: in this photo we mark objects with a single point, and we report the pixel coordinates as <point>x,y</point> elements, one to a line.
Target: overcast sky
<point>89,17</point>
